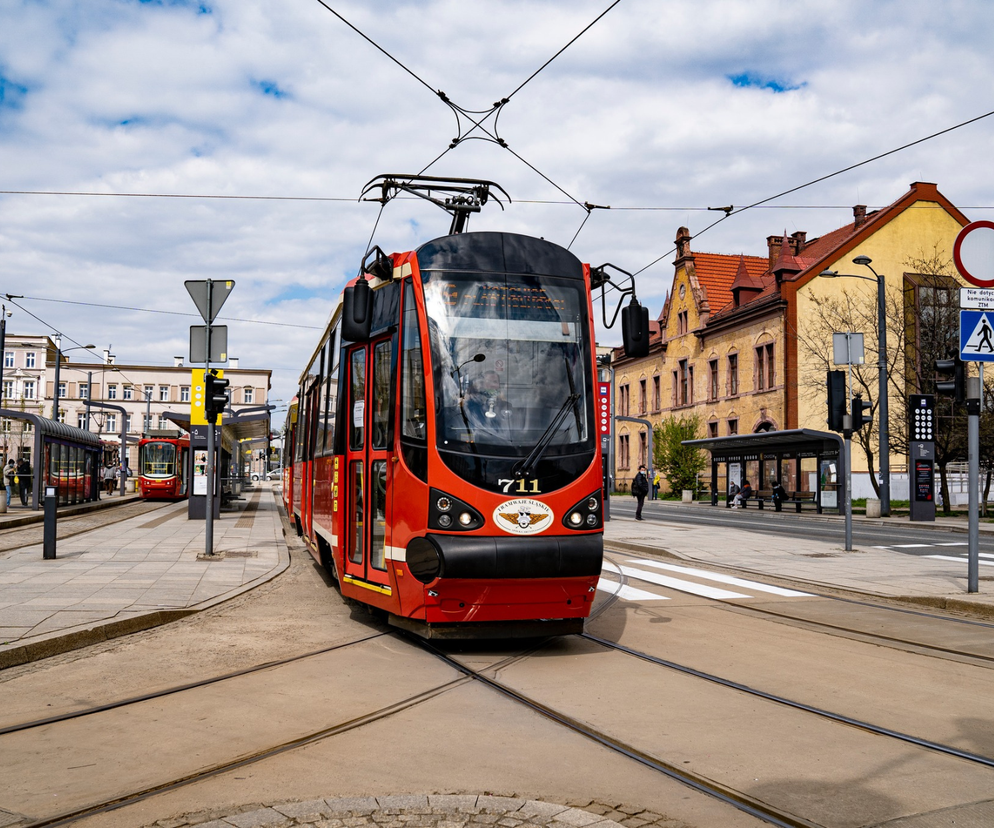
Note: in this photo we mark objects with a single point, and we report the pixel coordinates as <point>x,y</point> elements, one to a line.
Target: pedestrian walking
<point>24,479</point>
<point>640,488</point>
<point>109,477</point>
<point>656,480</point>
<point>9,473</point>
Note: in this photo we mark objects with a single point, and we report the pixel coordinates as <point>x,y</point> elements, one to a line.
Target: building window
<point>184,393</point>
<point>81,420</point>
<point>111,392</point>
<point>84,390</point>
<point>146,422</point>
<point>62,390</point>
<point>8,389</point>
<point>733,426</point>
<point>733,374</point>
<point>163,393</point>
<point>8,359</point>
<point>682,323</point>
<point>642,396</point>
<point>623,458</point>
<point>643,448</point>
<point>29,359</point>
<point>62,415</point>
<point>29,389</point>
<point>686,392</point>
<point>713,379</point>
<point>112,422</point>
<point>131,423</point>
<point>713,429</point>
<point>248,394</point>
<point>129,393</point>
<point>623,398</point>
<point>765,375</point>
<point>657,401</point>
<point>148,392</point>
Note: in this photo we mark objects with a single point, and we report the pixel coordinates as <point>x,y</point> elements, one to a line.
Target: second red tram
<point>163,467</point>
<point>443,461</point>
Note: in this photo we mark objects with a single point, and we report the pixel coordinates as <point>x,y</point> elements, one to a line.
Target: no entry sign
<point>973,253</point>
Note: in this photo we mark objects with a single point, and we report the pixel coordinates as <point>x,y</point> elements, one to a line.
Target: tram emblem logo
<point>523,516</point>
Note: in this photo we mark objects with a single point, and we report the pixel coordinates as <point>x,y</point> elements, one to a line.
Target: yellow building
<point>744,341</point>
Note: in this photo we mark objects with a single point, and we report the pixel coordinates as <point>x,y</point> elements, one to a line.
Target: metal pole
<point>3,346</point>
<point>211,420</point>
<point>847,460</point>
<point>973,453</point>
<point>58,363</point>
<point>89,396</point>
<point>884,421</point>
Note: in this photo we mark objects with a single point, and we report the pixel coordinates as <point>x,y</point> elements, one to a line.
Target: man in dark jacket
<point>640,488</point>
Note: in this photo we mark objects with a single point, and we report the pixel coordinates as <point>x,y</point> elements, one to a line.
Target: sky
<point>145,143</point>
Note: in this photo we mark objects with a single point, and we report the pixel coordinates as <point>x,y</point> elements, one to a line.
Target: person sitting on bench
<point>745,492</point>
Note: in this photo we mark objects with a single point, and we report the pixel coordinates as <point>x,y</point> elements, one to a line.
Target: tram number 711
<point>522,487</point>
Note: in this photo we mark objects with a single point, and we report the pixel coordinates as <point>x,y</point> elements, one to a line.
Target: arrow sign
<point>976,336</point>
<point>207,300</point>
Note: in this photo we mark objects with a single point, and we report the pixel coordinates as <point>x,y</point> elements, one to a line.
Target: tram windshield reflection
<point>508,352</point>
<point>158,460</point>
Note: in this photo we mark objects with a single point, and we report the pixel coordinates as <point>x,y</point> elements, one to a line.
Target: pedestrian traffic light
<point>956,387</point>
<point>859,418</point>
<point>836,399</point>
<point>216,397</point>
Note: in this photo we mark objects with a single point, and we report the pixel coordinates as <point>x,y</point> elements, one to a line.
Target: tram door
<point>368,467</point>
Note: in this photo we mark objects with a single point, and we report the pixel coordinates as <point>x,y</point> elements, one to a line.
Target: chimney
<point>859,215</point>
<point>177,362</point>
<point>232,362</point>
<point>773,244</point>
<point>109,357</point>
<point>797,241</point>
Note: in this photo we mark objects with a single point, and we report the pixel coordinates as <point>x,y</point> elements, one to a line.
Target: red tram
<point>163,464</point>
<point>442,460</point>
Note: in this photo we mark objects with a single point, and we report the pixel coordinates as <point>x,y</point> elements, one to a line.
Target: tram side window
<point>329,393</point>
<point>413,405</point>
<point>298,444</point>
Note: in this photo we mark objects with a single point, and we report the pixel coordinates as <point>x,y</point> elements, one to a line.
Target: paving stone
<point>354,805</point>
<point>576,818</point>
<point>302,810</point>
<point>261,818</point>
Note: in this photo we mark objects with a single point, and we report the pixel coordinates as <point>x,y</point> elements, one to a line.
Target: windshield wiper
<point>524,468</point>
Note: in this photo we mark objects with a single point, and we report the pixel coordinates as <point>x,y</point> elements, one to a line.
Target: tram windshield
<point>158,460</point>
<point>511,364</point>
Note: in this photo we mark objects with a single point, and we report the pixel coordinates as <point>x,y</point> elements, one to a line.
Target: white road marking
<point>724,579</point>
<point>628,593</point>
<point>958,559</point>
<point>910,546</point>
<point>681,586</point>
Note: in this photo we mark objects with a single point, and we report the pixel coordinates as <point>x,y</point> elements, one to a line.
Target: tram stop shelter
<point>64,457</point>
<point>244,426</point>
<point>807,463</point>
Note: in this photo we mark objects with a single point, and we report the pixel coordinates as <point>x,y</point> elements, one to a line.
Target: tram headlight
<point>585,515</point>
<point>450,513</point>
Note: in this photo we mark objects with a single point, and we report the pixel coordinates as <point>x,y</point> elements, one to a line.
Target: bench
<point>798,500</point>
<point>802,499</point>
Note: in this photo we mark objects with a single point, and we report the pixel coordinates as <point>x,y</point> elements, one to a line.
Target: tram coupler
<point>51,522</point>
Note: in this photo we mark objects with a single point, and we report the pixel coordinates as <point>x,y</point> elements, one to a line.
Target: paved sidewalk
<point>133,575</point>
<point>866,570</point>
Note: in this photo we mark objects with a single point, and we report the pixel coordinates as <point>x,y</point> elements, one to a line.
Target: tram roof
<point>795,439</point>
<point>53,428</point>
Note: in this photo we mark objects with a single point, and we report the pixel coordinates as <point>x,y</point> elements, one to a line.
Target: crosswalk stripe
<point>628,593</point>
<point>724,579</point>
<point>956,543</point>
<point>958,559</point>
<point>681,586</point>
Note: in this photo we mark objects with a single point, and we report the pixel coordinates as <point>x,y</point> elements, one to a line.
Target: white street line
<point>724,579</point>
<point>960,559</point>
<point>627,593</point>
<point>956,543</point>
<point>912,545</point>
<point>681,586</point>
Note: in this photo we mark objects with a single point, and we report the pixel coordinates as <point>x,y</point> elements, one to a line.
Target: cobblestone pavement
<point>451,811</point>
<point>18,537</point>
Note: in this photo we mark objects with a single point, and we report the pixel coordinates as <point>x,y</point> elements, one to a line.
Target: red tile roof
<point>716,272</point>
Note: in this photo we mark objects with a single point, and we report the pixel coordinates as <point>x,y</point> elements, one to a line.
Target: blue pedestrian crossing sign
<point>976,336</point>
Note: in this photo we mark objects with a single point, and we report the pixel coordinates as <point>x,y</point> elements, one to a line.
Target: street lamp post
<point>864,261</point>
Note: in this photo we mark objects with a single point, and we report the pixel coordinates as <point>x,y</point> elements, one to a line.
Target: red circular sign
<point>973,253</point>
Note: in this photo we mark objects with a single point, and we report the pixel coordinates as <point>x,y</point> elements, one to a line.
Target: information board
<point>924,480</point>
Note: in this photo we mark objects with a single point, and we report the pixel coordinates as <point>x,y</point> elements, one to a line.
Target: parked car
<point>275,474</point>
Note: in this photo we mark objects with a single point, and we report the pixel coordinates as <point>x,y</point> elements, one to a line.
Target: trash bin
<point>129,485</point>
<point>688,495</point>
<point>872,507</point>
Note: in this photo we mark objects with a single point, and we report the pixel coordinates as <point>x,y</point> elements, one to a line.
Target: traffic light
<point>836,399</point>
<point>216,397</point>
<point>956,387</point>
<point>860,419</point>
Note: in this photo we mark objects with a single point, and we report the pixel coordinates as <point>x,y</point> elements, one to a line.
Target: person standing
<point>24,479</point>
<point>640,488</point>
<point>109,478</point>
<point>656,481</point>
<point>9,472</point>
